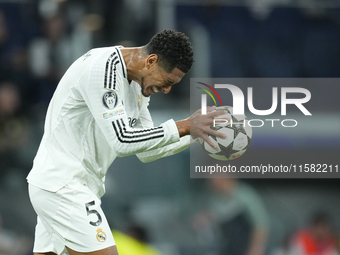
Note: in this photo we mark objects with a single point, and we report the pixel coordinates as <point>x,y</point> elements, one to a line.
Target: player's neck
<point>134,59</point>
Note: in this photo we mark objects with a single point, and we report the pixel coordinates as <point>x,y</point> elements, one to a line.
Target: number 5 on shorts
<point>99,221</point>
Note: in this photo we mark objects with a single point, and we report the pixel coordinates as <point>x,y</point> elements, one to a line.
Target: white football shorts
<point>70,217</point>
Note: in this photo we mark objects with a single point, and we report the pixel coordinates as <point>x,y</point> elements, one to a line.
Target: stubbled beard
<point>143,87</point>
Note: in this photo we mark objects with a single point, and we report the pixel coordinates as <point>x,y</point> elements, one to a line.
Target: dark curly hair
<point>173,50</point>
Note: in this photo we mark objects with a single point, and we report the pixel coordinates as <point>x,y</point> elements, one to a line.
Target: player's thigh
<point>112,250</point>
<point>108,251</point>
<point>47,253</point>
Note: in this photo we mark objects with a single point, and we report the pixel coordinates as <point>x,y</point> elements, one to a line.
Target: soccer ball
<point>238,132</point>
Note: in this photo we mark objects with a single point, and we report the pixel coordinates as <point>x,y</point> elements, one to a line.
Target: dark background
<point>39,39</point>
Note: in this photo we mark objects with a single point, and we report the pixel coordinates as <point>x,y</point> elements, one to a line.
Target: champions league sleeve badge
<point>110,99</point>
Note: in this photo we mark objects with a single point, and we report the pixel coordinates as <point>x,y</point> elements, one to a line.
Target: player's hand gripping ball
<point>238,132</point>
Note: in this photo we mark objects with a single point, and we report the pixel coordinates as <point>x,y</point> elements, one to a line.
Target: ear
<point>151,60</point>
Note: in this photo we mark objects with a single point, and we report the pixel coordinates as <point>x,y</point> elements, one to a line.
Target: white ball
<point>238,132</point>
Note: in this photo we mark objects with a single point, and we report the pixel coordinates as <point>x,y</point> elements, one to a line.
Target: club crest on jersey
<point>101,236</point>
<point>110,99</point>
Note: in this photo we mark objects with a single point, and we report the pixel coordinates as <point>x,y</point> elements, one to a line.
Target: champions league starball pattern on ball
<point>238,132</point>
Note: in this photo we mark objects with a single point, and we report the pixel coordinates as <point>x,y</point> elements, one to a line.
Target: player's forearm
<point>257,242</point>
<point>127,141</point>
<point>183,127</point>
<point>165,151</point>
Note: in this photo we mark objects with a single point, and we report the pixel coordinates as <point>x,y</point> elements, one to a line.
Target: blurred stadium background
<point>39,39</point>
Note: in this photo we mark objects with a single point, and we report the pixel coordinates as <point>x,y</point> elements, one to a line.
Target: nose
<point>166,89</point>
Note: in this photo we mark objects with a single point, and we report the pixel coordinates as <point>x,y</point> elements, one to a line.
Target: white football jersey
<point>94,116</point>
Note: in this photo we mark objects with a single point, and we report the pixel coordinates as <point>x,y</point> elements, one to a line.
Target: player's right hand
<point>200,125</point>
